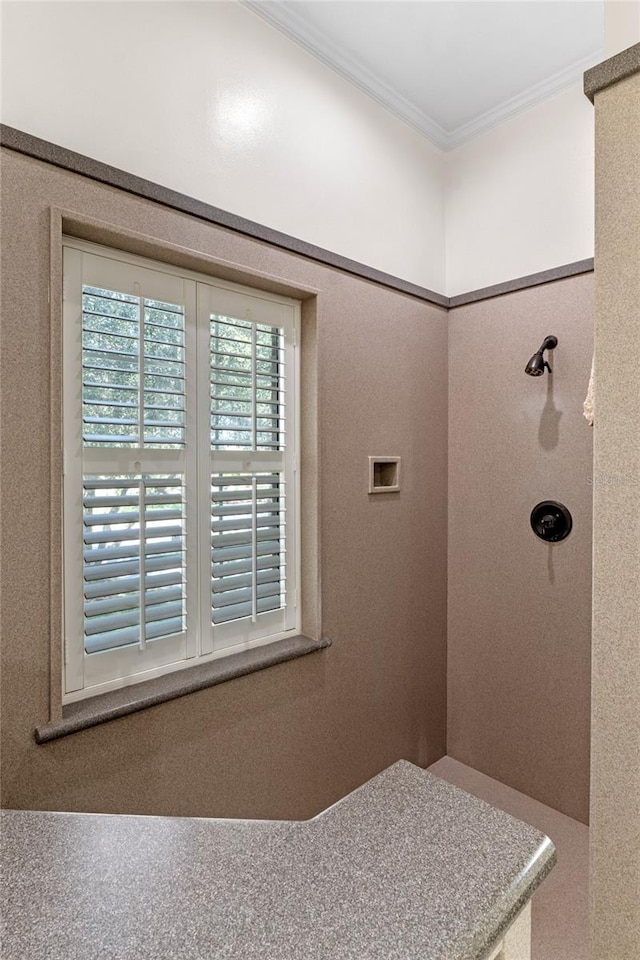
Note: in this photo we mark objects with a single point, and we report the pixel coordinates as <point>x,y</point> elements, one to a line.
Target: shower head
<point>537,364</point>
<point>535,367</point>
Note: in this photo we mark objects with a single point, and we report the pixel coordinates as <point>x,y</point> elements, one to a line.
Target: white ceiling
<point>450,69</point>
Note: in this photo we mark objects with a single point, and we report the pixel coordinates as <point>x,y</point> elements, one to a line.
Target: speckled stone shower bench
<point>405,867</point>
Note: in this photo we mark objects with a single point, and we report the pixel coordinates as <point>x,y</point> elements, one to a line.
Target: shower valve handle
<point>551,521</point>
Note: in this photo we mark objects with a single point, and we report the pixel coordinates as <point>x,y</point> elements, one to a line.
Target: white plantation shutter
<point>127,604</point>
<point>133,393</point>
<point>252,562</point>
<point>180,487</point>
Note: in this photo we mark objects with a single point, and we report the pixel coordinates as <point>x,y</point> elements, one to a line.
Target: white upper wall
<point>520,197</point>
<point>621,25</point>
<point>209,100</point>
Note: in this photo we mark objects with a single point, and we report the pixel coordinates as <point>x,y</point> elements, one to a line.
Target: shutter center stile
<point>142,496</point>
<point>140,344</point>
<point>254,549</point>
<point>142,545</point>
<point>254,401</point>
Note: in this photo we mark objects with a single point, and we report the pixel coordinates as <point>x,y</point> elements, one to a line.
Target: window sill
<point>139,696</point>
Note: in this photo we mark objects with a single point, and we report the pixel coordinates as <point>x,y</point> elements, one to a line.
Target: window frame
<point>193,647</point>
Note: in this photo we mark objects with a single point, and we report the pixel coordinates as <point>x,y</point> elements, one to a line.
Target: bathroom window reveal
<point>180,484</point>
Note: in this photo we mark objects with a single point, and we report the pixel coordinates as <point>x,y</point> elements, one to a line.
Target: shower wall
<point>615,791</point>
<point>520,609</point>
<point>287,741</point>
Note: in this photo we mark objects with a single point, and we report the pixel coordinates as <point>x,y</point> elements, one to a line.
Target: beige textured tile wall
<point>615,794</point>
<point>520,609</point>
<point>288,741</point>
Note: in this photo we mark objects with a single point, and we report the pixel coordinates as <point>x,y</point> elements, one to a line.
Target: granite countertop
<point>405,867</point>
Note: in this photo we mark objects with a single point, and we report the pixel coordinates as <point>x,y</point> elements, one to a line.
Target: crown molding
<point>523,101</point>
<point>288,21</point>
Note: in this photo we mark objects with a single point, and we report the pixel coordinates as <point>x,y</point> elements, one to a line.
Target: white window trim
<point>192,647</point>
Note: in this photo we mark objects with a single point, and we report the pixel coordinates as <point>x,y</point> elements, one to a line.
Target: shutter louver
<point>133,370</point>
<point>110,367</point>
<point>134,560</point>
<point>247,386</point>
<point>248,545</point>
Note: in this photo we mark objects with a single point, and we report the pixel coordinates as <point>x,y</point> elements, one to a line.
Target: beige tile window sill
<point>139,696</point>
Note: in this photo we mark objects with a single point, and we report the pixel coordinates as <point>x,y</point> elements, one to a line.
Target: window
<point>181,498</point>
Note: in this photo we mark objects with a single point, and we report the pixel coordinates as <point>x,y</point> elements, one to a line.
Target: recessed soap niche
<point>384,474</point>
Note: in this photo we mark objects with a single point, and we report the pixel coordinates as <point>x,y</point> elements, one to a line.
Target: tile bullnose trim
<point>619,67</point>
<point>120,703</point>
<point>523,283</point>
